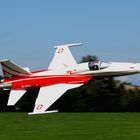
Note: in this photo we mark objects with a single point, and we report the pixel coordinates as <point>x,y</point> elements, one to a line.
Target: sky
<point>109,29</point>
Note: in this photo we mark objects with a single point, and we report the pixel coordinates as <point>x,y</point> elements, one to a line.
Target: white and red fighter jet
<point>62,74</point>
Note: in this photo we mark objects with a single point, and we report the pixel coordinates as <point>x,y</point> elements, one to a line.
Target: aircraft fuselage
<point>37,81</point>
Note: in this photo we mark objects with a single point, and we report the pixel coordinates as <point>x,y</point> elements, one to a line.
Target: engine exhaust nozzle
<point>5,85</point>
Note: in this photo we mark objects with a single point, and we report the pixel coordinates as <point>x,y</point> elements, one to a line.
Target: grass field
<point>70,126</point>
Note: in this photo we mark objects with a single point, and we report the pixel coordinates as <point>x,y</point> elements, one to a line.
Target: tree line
<point>100,95</point>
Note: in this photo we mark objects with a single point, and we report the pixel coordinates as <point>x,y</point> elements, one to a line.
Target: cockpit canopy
<point>98,65</point>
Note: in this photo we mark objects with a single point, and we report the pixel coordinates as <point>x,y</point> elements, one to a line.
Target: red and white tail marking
<point>12,70</point>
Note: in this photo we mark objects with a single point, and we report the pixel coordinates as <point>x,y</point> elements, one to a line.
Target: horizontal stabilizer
<point>14,96</point>
<point>27,69</point>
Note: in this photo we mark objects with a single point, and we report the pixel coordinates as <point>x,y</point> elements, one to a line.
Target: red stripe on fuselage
<point>41,81</point>
<point>38,71</point>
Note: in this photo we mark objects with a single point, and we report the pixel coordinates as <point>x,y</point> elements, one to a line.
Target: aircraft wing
<point>63,59</point>
<point>48,95</point>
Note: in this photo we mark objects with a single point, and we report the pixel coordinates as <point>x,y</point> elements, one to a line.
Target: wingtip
<point>68,45</point>
<point>46,112</point>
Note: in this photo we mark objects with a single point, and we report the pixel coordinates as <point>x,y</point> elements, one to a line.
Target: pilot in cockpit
<point>98,65</point>
<point>94,65</point>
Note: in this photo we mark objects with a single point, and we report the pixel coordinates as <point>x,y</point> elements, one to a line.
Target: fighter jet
<point>62,74</point>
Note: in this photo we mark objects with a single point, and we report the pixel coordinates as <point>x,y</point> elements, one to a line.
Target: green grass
<point>70,126</point>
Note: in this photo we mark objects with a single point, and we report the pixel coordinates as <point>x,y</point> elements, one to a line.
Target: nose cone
<point>137,67</point>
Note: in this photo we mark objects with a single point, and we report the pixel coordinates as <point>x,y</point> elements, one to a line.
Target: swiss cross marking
<point>60,50</point>
<point>39,107</point>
